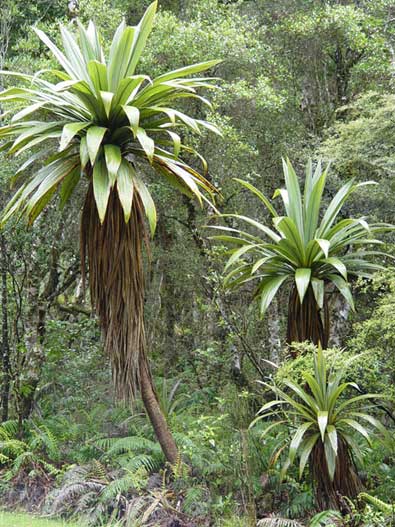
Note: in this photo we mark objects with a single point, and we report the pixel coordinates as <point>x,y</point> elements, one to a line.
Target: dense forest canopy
<point>197,293</point>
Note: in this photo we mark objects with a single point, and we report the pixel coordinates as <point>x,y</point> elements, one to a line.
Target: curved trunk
<point>307,321</point>
<point>329,494</point>
<point>114,251</point>
<point>156,416</point>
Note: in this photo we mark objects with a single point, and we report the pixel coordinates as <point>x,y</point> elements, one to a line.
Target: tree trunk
<point>5,345</point>
<point>32,364</point>
<point>329,494</point>
<point>306,321</point>
<point>156,416</point>
<point>273,323</point>
<point>340,311</point>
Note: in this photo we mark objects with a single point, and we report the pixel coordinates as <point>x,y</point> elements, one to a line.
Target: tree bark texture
<point>329,494</point>
<point>155,414</point>
<point>5,344</point>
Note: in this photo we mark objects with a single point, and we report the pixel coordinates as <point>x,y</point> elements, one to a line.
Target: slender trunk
<point>340,311</point>
<point>156,416</point>
<point>33,364</point>
<point>273,323</point>
<point>306,321</point>
<point>6,366</point>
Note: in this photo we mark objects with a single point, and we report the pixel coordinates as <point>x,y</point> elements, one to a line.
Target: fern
<point>8,429</point>
<point>45,439</point>
<point>134,462</point>
<point>135,510</point>
<point>12,447</point>
<point>119,486</point>
<point>377,503</point>
<point>98,471</point>
<point>74,492</point>
<point>196,501</point>
<point>120,445</point>
<point>100,496</point>
<point>323,517</point>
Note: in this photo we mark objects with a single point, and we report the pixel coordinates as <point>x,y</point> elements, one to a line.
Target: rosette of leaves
<point>308,249</point>
<point>323,422</point>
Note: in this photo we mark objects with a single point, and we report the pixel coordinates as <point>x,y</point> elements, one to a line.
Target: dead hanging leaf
<point>114,252</point>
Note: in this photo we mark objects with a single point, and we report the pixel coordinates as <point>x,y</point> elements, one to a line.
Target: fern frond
<point>98,471</point>
<point>45,439</point>
<point>134,462</point>
<point>13,447</point>
<point>73,492</point>
<point>135,509</point>
<point>120,445</point>
<point>4,459</point>
<point>386,508</point>
<point>8,429</point>
<point>323,517</point>
<point>119,486</point>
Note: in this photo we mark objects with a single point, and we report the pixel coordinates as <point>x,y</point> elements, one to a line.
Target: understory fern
<point>380,505</point>
<point>39,451</point>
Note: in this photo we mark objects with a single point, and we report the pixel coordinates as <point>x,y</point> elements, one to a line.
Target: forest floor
<point>10,519</point>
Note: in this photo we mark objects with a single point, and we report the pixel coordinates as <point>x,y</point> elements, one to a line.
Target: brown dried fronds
<point>114,254</point>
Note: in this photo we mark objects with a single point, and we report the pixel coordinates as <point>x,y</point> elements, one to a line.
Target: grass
<point>10,519</point>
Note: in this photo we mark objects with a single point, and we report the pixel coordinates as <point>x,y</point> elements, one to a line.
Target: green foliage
<point>36,456</point>
<point>319,417</point>
<point>306,251</point>
<point>12,519</point>
<point>278,522</point>
<point>101,114</point>
<point>325,518</point>
<point>377,503</point>
<point>299,78</point>
<point>361,142</point>
<point>369,369</point>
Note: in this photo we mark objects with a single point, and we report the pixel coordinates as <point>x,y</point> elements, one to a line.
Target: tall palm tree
<point>305,249</point>
<point>97,124</point>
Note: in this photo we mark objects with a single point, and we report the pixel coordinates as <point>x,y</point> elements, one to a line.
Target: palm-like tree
<point>97,124</point>
<point>305,250</point>
<point>323,422</point>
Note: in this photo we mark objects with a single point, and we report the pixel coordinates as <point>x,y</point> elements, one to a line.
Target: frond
<point>380,505</point>
<point>325,518</point>
<point>8,429</point>
<point>122,445</point>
